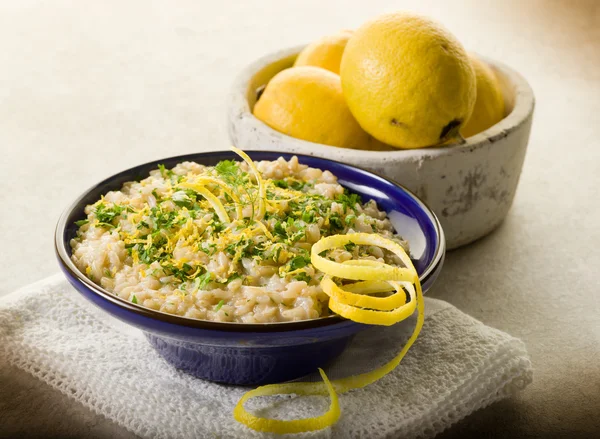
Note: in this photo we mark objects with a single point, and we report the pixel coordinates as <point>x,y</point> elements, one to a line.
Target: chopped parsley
<point>279,229</point>
<point>281,184</point>
<point>166,173</point>
<point>350,246</point>
<point>217,226</point>
<point>187,199</point>
<point>134,299</point>
<point>298,262</point>
<point>289,183</point>
<point>227,167</point>
<point>303,277</point>
<point>106,215</point>
<point>202,281</point>
<point>348,200</point>
<point>308,216</point>
<point>335,221</point>
<point>208,247</point>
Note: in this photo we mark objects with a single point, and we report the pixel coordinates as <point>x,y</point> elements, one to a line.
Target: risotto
<point>227,243</point>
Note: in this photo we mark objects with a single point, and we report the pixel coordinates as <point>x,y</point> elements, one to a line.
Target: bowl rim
<point>78,276</point>
<point>524,102</point>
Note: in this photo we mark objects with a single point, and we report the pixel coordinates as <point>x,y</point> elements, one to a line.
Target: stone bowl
<point>470,186</point>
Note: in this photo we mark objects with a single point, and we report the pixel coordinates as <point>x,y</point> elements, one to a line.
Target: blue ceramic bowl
<point>251,354</point>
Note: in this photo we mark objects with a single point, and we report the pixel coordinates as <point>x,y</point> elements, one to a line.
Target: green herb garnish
<point>335,221</point>
<point>348,200</point>
<point>308,216</point>
<point>105,215</point>
<point>228,170</point>
<point>280,230</point>
<point>208,248</point>
<point>298,262</point>
<point>303,277</point>
<point>202,281</point>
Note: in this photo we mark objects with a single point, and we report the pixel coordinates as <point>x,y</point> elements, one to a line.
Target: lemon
<point>307,103</point>
<point>408,81</point>
<point>326,52</point>
<point>489,105</point>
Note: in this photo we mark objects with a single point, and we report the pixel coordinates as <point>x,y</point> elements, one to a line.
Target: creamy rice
<point>160,243</point>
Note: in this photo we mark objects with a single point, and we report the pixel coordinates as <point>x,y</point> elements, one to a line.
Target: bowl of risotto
<point>209,255</point>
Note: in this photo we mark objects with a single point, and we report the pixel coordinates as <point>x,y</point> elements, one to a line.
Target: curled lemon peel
<point>224,187</point>
<point>339,295</point>
<point>262,188</point>
<point>369,287</point>
<point>261,226</point>
<point>374,316</point>
<point>377,277</point>
<point>278,426</point>
<point>211,198</point>
<point>362,270</point>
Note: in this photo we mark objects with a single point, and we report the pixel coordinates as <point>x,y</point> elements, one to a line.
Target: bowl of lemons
<point>399,96</point>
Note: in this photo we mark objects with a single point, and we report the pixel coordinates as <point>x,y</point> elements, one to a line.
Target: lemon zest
<point>374,316</point>
<point>369,287</point>
<point>225,188</point>
<point>278,426</point>
<point>350,299</point>
<point>262,188</point>
<point>266,231</point>
<point>209,196</point>
<point>345,302</point>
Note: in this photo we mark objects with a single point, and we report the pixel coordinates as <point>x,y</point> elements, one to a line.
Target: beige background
<point>90,88</point>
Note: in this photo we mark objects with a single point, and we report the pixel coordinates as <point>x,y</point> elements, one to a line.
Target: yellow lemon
<point>307,103</point>
<point>326,52</point>
<point>408,81</point>
<point>489,105</point>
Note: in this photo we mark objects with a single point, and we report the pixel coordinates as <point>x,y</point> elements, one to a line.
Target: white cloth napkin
<point>457,365</point>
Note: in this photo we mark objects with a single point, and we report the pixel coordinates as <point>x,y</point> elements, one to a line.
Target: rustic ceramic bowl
<point>469,186</point>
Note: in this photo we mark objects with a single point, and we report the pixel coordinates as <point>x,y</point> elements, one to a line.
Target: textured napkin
<point>457,365</point>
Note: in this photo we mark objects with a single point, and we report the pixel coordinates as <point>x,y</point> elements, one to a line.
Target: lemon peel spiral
<point>330,417</point>
<point>347,302</point>
<point>262,188</point>
<point>223,186</point>
<point>210,197</point>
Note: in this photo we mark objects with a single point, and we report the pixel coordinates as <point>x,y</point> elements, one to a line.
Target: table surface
<point>90,88</point>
